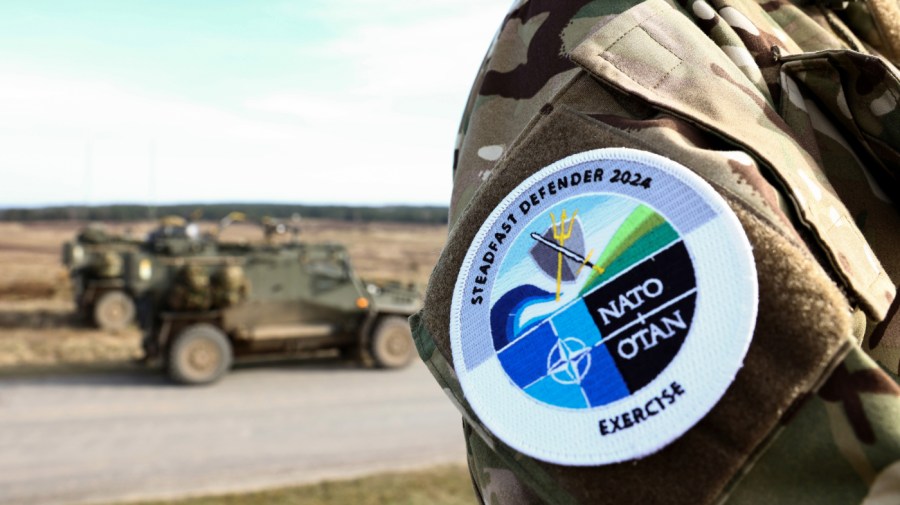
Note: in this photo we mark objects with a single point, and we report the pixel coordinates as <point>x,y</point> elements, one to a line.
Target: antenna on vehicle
<point>295,226</point>
<point>88,167</point>
<point>151,179</point>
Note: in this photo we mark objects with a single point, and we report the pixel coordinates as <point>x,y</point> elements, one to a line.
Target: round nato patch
<point>603,308</point>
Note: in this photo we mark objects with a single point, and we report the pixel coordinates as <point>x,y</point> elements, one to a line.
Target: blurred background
<point>277,171</point>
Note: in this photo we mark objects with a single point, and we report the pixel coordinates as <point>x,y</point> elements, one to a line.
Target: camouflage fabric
<point>94,233</point>
<point>229,286</point>
<point>108,265</point>
<point>191,290</point>
<point>791,109</point>
<point>172,221</point>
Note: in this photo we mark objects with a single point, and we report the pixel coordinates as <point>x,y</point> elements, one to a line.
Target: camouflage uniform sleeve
<point>784,107</point>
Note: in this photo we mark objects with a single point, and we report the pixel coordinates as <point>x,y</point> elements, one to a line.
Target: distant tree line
<point>253,211</point>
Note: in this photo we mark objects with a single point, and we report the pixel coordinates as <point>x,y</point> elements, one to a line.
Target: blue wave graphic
<point>505,313</point>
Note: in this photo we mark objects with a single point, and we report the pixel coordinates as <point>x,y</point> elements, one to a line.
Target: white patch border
<point>724,266</point>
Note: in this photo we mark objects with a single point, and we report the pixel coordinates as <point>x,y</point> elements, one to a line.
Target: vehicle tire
<point>113,311</point>
<point>200,354</point>
<point>391,345</point>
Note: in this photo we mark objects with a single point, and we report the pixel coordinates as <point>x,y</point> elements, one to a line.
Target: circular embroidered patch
<point>603,308</point>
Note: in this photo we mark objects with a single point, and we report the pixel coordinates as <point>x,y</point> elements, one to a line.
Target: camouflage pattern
<point>191,290</point>
<point>108,265</point>
<point>791,107</point>
<point>172,221</point>
<point>95,233</point>
<point>229,286</point>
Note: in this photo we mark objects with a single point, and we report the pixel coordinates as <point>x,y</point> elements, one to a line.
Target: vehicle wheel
<point>200,354</point>
<point>114,311</point>
<point>392,345</point>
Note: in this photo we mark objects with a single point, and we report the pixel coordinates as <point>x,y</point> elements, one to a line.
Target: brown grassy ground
<point>37,324</point>
<point>437,486</point>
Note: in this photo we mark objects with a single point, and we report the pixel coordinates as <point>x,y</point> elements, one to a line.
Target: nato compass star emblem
<point>569,361</point>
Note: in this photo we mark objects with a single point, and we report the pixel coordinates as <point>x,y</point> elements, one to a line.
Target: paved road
<point>122,435</point>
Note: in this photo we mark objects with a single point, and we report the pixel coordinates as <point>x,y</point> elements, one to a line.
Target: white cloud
<point>71,107</point>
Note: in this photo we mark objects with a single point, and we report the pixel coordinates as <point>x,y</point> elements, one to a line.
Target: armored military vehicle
<point>98,260</point>
<point>96,267</point>
<point>274,300</point>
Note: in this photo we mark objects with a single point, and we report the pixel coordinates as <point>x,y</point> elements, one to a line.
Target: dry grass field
<point>37,323</point>
<point>448,485</point>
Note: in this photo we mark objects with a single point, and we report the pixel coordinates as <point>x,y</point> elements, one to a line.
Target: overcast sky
<point>307,101</point>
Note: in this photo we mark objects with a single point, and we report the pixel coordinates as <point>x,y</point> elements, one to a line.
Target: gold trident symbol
<point>561,234</point>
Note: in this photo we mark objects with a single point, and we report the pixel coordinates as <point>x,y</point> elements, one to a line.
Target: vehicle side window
<point>328,267</point>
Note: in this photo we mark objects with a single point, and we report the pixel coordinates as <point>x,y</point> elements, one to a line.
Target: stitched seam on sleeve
<point>636,26</point>
<point>658,43</point>
<point>666,75</point>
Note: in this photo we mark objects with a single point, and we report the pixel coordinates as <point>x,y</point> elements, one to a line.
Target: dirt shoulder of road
<point>46,332</point>
<point>445,485</point>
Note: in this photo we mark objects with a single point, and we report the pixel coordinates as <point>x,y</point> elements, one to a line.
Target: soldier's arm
<point>799,136</point>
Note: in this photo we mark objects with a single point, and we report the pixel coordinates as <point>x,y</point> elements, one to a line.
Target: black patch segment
<point>672,267</point>
<point>649,362</point>
<point>621,308</point>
